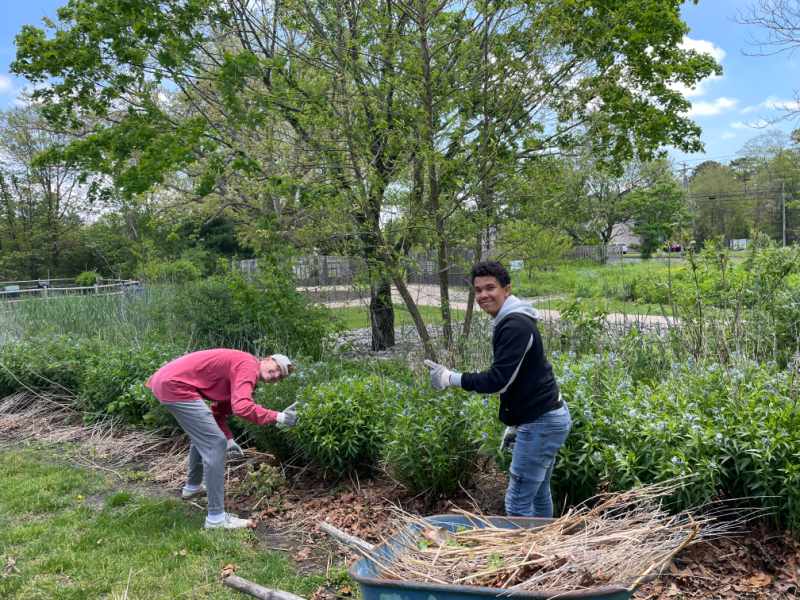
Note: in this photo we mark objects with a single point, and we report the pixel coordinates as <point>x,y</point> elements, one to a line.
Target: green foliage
<point>436,439</point>
<point>584,323</point>
<point>342,424</point>
<point>657,213</point>
<point>107,379</point>
<point>538,246</point>
<point>263,481</point>
<point>278,317</point>
<point>86,279</point>
<point>172,272</point>
<point>735,425</point>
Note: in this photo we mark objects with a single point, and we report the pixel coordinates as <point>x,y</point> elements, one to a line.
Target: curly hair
<point>490,268</point>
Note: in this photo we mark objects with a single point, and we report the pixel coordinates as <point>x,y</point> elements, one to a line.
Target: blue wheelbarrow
<point>373,587</point>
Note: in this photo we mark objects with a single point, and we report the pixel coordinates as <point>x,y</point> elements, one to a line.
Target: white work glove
<point>234,450</point>
<point>509,439</point>
<point>288,418</point>
<point>440,376</point>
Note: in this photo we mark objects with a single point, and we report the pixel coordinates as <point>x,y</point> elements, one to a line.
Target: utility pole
<point>783,208</point>
<point>687,198</point>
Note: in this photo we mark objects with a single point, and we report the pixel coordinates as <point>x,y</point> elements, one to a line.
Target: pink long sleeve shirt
<point>225,377</point>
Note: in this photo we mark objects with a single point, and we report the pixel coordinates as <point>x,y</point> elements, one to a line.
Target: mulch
<point>760,563</point>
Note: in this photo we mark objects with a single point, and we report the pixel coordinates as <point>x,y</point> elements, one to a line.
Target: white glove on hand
<point>288,418</point>
<point>509,439</point>
<point>234,450</point>
<point>440,375</point>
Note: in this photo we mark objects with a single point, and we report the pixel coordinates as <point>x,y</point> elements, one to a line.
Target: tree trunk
<point>433,182</point>
<point>470,300</point>
<point>381,314</point>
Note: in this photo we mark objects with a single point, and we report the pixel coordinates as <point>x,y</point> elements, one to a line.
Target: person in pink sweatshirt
<point>227,379</point>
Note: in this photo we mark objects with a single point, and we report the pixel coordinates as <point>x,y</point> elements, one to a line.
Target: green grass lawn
<point>357,317</point>
<point>73,537</point>
<point>612,305</point>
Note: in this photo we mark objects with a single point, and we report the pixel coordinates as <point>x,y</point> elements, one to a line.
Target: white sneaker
<point>229,521</point>
<point>188,494</point>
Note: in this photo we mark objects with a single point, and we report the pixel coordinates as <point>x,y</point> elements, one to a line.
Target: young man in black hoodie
<point>531,406</point>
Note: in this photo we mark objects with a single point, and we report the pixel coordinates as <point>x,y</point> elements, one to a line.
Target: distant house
<point>622,234</point>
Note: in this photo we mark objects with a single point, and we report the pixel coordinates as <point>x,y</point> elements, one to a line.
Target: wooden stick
<point>256,591</point>
<point>346,539</point>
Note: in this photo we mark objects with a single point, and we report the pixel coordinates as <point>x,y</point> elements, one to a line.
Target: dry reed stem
<point>47,418</point>
<point>614,539</point>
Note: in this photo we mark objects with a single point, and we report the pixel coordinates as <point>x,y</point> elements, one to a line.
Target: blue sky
<point>748,89</point>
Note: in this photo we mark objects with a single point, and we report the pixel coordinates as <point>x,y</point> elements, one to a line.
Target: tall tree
<point>426,106</point>
<point>44,205</point>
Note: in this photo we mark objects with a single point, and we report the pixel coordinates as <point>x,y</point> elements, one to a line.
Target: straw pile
<point>615,539</point>
<point>47,417</point>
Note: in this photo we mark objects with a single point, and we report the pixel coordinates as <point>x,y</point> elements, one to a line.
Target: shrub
<point>52,362</point>
<point>172,272</point>
<point>263,481</point>
<point>341,424</point>
<point>585,322</point>
<point>736,426</point>
<point>102,376</point>
<point>86,279</point>
<point>435,439</point>
<point>106,387</point>
<point>278,317</point>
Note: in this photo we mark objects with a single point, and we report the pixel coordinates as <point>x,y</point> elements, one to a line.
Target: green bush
<point>172,272</point>
<point>435,439</point>
<point>736,426</point>
<point>109,386</point>
<point>278,317</point>
<point>86,279</point>
<point>53,362</point>
<point>342,424</point>
<point>102,376</point>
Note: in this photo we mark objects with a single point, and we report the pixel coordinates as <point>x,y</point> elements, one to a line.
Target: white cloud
<point>5,84</point>
<point>708,109</point>
<point>728,135</point>
<point>705,47</point>
<point>771,103</point>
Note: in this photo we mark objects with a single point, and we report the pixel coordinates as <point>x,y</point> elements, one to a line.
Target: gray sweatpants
<point>207,451</point>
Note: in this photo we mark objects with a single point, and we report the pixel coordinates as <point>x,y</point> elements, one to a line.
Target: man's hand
<point>234,450</point>
<point>288,418</point>
<point>509,439</point>
<point>440,375</point>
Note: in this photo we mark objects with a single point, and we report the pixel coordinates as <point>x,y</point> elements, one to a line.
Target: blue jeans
<point>532,463</point>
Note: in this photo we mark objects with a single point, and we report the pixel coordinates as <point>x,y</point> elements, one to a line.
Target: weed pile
<point>617,540</point>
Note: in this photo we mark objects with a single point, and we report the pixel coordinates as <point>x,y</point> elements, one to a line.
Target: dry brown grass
<point>615,539</point>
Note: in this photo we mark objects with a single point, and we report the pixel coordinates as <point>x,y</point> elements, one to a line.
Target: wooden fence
<point>46,291</point>
<point>606,253</point>
<point>319,271</point>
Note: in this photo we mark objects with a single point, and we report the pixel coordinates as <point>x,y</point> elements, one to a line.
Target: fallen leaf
<point>228,569</point>
<point>345,591</point>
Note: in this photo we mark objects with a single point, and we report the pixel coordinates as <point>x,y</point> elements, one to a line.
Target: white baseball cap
<point>285,363</point>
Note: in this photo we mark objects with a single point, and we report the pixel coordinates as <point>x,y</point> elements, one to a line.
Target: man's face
<point>271,371</point>
<point>489,295</point>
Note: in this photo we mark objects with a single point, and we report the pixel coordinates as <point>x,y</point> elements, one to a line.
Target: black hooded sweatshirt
<point>520,373</point>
